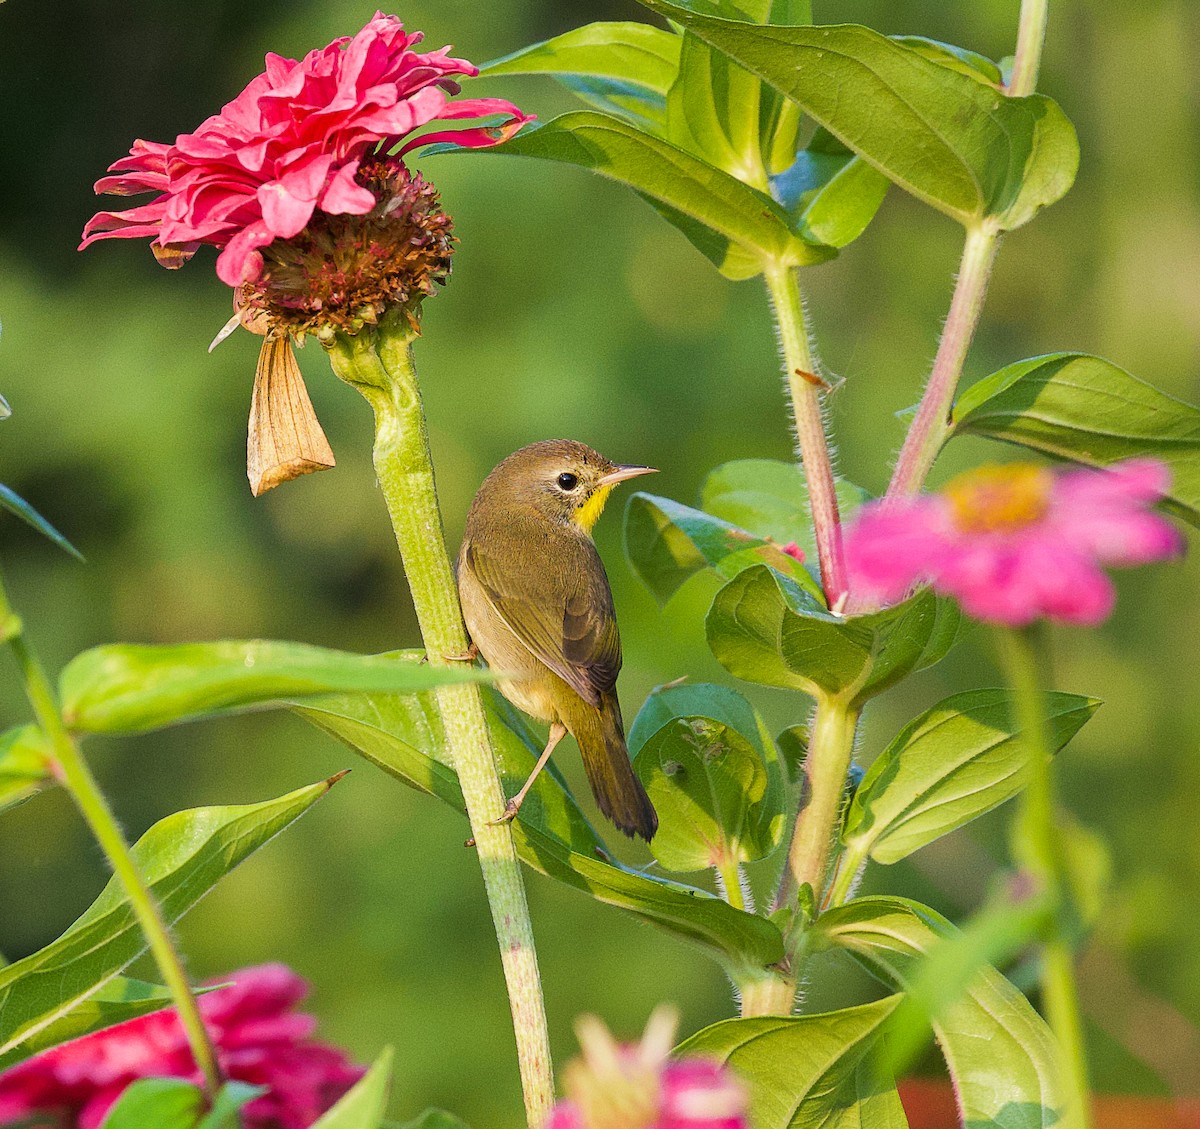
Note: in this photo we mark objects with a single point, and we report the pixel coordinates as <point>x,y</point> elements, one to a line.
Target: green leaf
<point>404,736</point>
<point>764,628</point>
<point>434,1119</point>
<point>229,1101</point>
<point>25,758</point>
<point>711,769</point>
<point>967,62</point>
<point>118,1000</point>
<point>956,761</point>
<point>15,504</point>
<point>363,1106</point>
<point>123,688</point>
<point>770,497</point>
<point>808,1071</point>
<point>1085,409</point>
<point>1000,1053</point>
<point>182,857</point>
<point>164,1103</point>
<point>942,135</point>
<point>668,543</point>
<point>737,227</point>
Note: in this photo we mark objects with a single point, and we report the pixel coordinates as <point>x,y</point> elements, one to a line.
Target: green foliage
<point>435,1119</point>
<point>1078,407</point>
<point>181,857</point>
<point>999,1052</point>
<point>122,688</point>
<point>15,504</point>
<point>764,628</point>
<point>809,1071</point>
<point>955,142</point>
<point>956,761</point>
<point>711,769</point>
<point>24,764</point>
<point>172,1103</point>
<point>404,736</point>
<point>363,1106</point>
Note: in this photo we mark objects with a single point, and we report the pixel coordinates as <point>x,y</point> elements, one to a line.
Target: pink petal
<point>890,547</point>
<point>343,195</point>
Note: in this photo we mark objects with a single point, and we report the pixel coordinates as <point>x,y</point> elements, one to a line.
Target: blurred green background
<point>574,311</point>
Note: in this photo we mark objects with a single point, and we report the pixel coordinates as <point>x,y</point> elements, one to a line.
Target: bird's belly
<point>532,687</point>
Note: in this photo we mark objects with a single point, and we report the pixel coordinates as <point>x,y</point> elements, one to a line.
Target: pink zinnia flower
<point>291,144</point>
<point>615,1086</point>
<point>258,1037</point>
<point>1018,542</point>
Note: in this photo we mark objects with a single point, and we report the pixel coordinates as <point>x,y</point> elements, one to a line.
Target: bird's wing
<point>564,616</point>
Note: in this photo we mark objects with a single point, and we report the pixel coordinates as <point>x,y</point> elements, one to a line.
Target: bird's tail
<point>618,791</point>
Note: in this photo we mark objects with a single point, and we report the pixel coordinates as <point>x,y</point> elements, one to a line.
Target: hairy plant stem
<point>931,425</point>
<point>767,995</point>
<point>379,364</point>
<point>1031,36</point>
<point>73,773</point>
<point>1037,850</point>
<point>830,748</point>
<point>805,387</point>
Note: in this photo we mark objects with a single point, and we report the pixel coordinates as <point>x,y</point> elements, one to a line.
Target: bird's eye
<point>567,481</point>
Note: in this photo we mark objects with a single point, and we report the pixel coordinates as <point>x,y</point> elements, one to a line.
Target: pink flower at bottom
<point>258,1037</point>
<point>1018,542</point>
<point>615,1086</point>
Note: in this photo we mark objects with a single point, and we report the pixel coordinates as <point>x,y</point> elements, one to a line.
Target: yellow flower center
<point>1000,498</point>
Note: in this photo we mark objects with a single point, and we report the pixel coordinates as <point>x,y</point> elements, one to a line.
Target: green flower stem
<point>849,866</point>
<point>1031,35</point>
<point>767,995</point>
<point>931,425</point>
<point>379,364</point>
<point>75,775</point>
<point>830,748</point>
<point>805,389</point>
<point>1036,849</point>
<point>729,880</point>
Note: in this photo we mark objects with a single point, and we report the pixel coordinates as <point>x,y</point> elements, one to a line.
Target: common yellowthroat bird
<point>537,603</point>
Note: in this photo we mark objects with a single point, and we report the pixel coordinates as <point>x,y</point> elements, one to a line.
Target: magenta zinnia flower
<point>1018,542</point>
<point>615,1086</point>
<point>291,144</point>
<point>258,1037</point>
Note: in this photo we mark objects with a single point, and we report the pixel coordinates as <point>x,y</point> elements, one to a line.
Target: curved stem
<point>729,882</point>
<point>1036,849</point>
<point>379,364</point>
<point>75,775</point>
<point>830,748</point>
<point>805,388</point>
<point>931,425</point>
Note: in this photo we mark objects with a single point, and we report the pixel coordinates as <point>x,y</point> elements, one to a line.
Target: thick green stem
<point>805,387</point>
<point>767,995</point>
<point>75,775</point>
<point>1031,35</point>
<point>1037,851</point>
<point>830,748</point>
<point>380,365</point>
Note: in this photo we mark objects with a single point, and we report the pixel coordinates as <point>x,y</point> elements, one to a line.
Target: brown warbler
<point>536,601</point>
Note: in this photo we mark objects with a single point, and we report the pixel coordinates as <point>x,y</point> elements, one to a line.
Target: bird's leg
<point>557,732</point>
<point>467,656</point>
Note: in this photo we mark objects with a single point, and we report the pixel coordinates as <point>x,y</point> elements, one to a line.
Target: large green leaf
<point>123,688</point>
<point>25,758</point>
<point>404,736</point>
<point>1000,1053</point>
<point>622,68</point>
<point>737,227</point>
<point>434,1119</point>
<point>770,497</point>
<point>1078,407</point>
<point>710,767</point>
<point>118,1000</point>
<point>809,1071</point>
<point>182,857</point>
<point>763,627</point>
<point>941,134</point>
<point>956,761</point>
<point>164,1103</point>
<point>668,543</point>
<point>363,1106</point>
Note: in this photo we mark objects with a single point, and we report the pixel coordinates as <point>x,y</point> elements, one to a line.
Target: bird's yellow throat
<point>589,513</point>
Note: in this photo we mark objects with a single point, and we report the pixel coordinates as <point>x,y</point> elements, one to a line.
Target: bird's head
<point>563,480</point>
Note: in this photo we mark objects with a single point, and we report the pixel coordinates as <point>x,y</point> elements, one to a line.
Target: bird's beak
<point>623,472</point>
